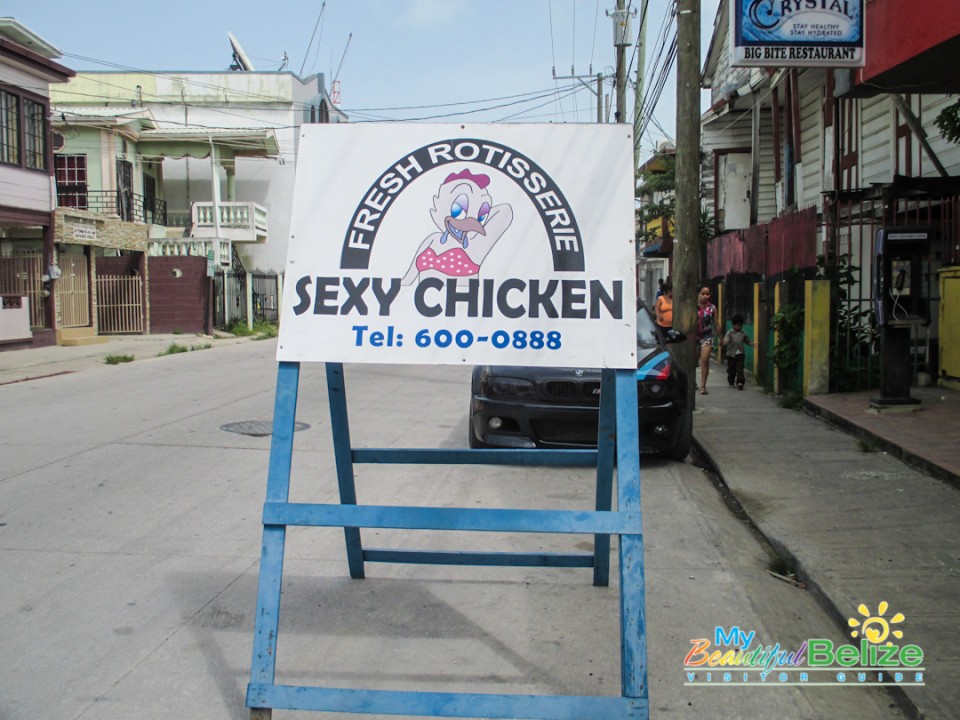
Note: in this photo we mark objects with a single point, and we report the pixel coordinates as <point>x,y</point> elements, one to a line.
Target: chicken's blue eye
<point>460,207</point>
<point>483,212</point>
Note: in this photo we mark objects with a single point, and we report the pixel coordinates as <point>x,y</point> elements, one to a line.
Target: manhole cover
<point>257,428</point>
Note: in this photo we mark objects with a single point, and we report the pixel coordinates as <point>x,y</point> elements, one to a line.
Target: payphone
<point>898,304</point>
<point>898,278</point>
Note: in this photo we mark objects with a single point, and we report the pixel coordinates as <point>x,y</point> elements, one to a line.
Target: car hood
<point>649,359</point>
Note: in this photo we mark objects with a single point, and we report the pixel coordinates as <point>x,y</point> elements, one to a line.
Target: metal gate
<point>856,217</point>
<point>73,292</point>
<point>266,303</point>
<point>119,304</point>
<point>20,275</point>
<point>230,299</point>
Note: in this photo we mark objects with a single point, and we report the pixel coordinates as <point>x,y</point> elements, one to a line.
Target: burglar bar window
<point>9,128</point>
<point>35,135</point>
<point>71,173</point>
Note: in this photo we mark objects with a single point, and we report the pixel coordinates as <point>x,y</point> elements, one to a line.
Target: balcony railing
<point>125,205</point>
<point>189,247</point>
<point>239,221</point>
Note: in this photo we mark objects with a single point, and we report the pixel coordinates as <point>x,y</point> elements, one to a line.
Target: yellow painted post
<point>759,332</point>
<point>720,330</point>
<point>816,337</point>
<point>948,371</point>
<point>776,336</point>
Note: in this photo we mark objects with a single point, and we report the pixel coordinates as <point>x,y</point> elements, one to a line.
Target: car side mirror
<point>674,336</point>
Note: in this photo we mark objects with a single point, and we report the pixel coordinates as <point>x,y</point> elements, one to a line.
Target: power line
<point>575,89</point>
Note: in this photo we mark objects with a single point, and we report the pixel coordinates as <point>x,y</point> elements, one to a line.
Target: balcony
<point>127,206</point>
<point>239,221</point>
<point>190,247</point>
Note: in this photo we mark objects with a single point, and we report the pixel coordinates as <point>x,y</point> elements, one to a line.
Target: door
<point>734,177</point>
<point>125,190</point>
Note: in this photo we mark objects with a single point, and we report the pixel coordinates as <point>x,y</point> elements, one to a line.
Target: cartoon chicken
<point>469,228</point>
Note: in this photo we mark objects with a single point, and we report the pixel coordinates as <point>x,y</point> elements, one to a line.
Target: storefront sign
<point>84,232</point>
<point>797,33</point>
<point>454,244</point>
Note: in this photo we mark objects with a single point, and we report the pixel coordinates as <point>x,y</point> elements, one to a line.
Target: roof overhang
<point>127,122</point>
<point>912,47</point>
<point>14,53</point>
<point>197,142</point>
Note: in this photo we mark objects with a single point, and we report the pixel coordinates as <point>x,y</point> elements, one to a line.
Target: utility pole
<point>686,248</point>
<point>621,40</point>
<point>638,89</point>
<point>582,79</point>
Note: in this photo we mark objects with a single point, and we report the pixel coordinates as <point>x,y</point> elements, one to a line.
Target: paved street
<point>130,538</point>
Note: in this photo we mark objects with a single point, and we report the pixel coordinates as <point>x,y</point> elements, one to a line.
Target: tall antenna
<point>310,44</point>
<point>337,76</point>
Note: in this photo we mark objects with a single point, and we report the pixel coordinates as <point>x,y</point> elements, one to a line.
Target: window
<point>71,171</point>
<point>23,131</point>
<point>9,128</point>
<point>34,135</point>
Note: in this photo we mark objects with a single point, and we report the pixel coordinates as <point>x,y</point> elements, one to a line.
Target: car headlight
<point>655,389</point>
<point>511,387</point>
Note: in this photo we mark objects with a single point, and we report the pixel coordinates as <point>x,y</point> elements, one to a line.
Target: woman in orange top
<point>663,307</point>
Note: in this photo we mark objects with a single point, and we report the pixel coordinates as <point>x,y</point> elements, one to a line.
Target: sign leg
<point>606,447</point>
<point>633,626</point>
<point>342,452</point>
<point>266,625</point>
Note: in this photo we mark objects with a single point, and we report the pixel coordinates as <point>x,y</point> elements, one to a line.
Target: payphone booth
<point>899,305</point>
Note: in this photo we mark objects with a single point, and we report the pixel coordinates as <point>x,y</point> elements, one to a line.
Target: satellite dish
<point>240,59</point>
<point>58,140</point>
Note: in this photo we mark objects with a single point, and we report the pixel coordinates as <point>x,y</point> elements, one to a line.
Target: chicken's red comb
<point>481,181</point>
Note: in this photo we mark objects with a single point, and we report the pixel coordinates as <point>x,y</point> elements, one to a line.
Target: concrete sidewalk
<point>862,527</point>
<point>32,363</point>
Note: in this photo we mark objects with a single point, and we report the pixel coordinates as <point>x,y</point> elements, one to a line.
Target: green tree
<point>948,122</point>
<point>656,190</point>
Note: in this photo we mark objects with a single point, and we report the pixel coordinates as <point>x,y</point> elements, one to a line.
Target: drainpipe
<point>215,189</point>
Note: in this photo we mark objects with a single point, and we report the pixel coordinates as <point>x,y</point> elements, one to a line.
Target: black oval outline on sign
<point>357,258</point>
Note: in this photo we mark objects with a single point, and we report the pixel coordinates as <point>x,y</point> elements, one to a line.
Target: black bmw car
<point>542,407</point>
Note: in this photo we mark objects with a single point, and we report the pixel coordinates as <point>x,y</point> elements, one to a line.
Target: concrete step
<point>72,337</point>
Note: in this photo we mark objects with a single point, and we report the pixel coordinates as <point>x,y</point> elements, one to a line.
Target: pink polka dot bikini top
<point>454,262</point>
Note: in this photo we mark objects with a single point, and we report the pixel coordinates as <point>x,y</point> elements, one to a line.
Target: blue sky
<point>487,61</point>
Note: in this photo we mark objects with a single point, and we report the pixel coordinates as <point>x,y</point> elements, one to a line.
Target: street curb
<point>896,693</point>
<point>905,456</point>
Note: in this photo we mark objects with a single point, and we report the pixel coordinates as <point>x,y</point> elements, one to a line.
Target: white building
<point>189,102</point>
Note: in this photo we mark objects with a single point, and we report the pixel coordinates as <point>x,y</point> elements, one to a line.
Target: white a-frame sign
<point>460,244</point>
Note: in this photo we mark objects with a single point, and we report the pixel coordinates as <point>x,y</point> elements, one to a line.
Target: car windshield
<point>646,330</point>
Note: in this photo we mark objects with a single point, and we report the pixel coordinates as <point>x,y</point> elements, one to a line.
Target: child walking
<point>734,341</point>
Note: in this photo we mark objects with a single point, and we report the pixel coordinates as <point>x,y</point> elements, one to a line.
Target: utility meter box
<point>949,370</point>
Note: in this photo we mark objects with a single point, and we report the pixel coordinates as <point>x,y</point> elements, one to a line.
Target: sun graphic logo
<point>876,628</point>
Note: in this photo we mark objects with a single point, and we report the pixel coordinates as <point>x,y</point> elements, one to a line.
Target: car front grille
<point>568,432</point>
<point>585,391</point>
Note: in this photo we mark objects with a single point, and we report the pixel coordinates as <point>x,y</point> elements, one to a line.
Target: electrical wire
<point>323,7</point>
<point>575,89</point>
<point>553,59</point>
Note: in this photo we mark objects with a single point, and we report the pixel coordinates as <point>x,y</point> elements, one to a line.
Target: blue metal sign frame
<point>617,444</point>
